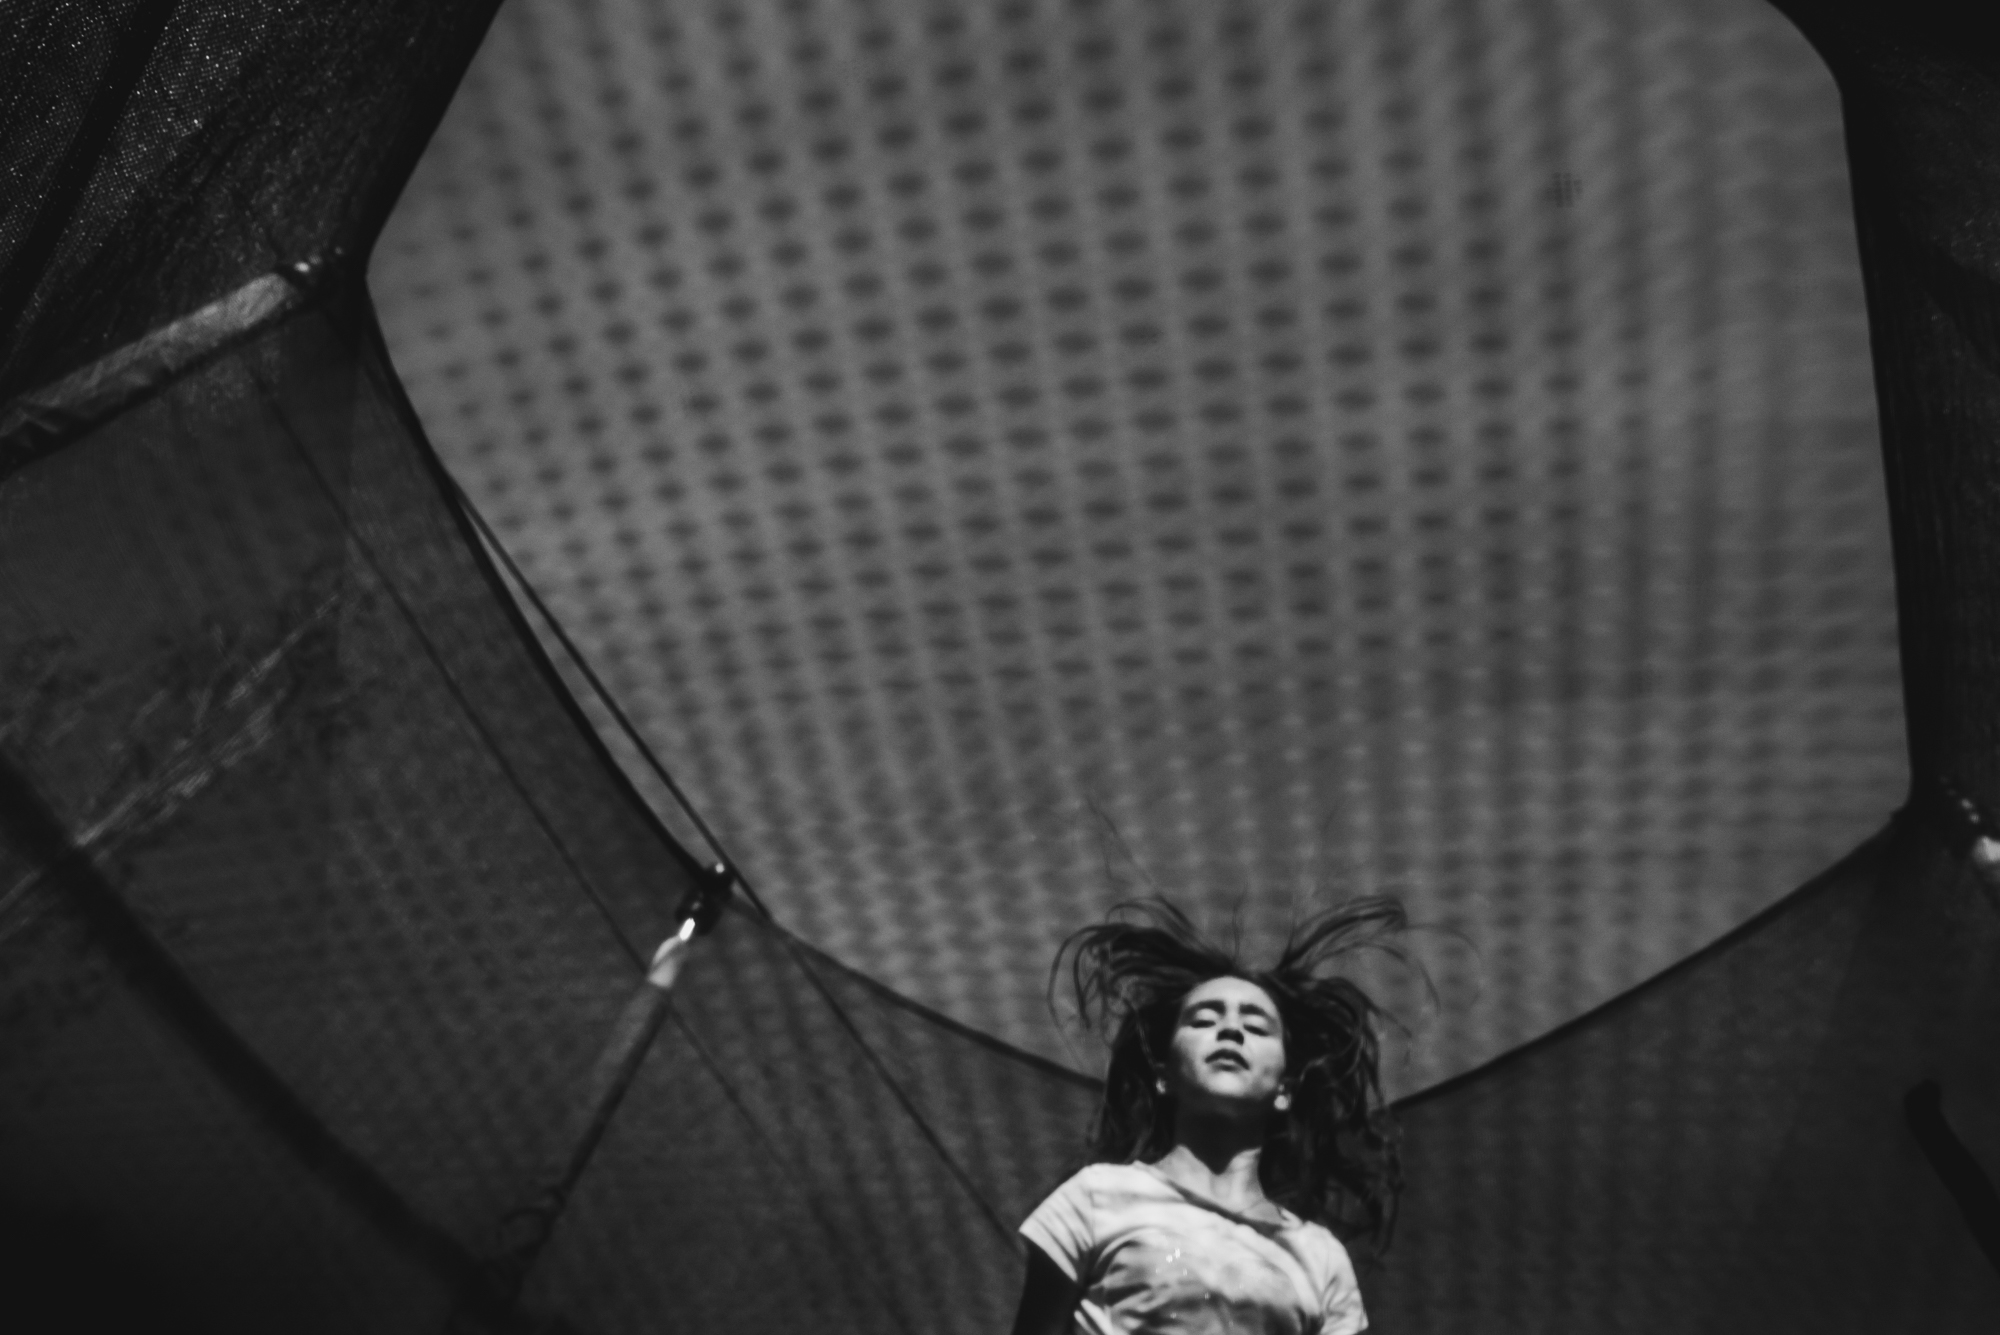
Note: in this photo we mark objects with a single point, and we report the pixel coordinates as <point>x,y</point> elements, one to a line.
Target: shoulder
<point>1113,1180</point>
<point>1327,1254</point>
<point>1094,1203</point>
<point>1332,1271</point>
<point>1109,1189</point>
<point>1119,1175</point>
<point>1085,1189</point>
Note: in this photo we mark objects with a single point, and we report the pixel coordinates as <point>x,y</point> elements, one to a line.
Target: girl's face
<point>1229,1051</point>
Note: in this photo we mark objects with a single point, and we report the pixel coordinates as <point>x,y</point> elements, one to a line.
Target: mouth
<point>1229,1059</point>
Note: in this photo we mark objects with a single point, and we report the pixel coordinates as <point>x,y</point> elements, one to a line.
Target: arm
<point>1048,1298</point>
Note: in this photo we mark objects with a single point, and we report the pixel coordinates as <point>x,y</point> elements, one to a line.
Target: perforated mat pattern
<point>1423,446</point>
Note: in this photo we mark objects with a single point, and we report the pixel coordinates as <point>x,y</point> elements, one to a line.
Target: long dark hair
<point>1332,1157</point>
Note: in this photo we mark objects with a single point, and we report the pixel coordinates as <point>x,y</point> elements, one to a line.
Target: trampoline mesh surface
<point>1425,446</point>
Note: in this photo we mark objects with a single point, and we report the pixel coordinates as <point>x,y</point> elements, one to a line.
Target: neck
<point>1219,1159</point>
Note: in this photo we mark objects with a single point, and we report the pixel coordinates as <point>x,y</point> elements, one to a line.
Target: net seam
<point>778,1156</point>
<point>791,946</point>
<point>472,715</point>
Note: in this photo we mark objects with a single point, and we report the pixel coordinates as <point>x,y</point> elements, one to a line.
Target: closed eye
<point>1206,1014</point>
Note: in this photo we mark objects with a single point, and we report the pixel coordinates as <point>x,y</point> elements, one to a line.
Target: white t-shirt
<point>1154,1258</point>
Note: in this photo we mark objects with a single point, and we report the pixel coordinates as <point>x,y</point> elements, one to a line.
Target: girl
<point>1242,1123</point>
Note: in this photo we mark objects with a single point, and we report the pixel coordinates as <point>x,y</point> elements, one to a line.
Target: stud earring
<point>1160,1085</point>
<point>1282,1102</point>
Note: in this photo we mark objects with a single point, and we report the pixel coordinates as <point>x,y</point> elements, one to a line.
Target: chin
<point>1234,1090</point>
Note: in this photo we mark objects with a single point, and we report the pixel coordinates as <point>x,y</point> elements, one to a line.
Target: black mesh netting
<point>286,713</point>
<point>320,898</point>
